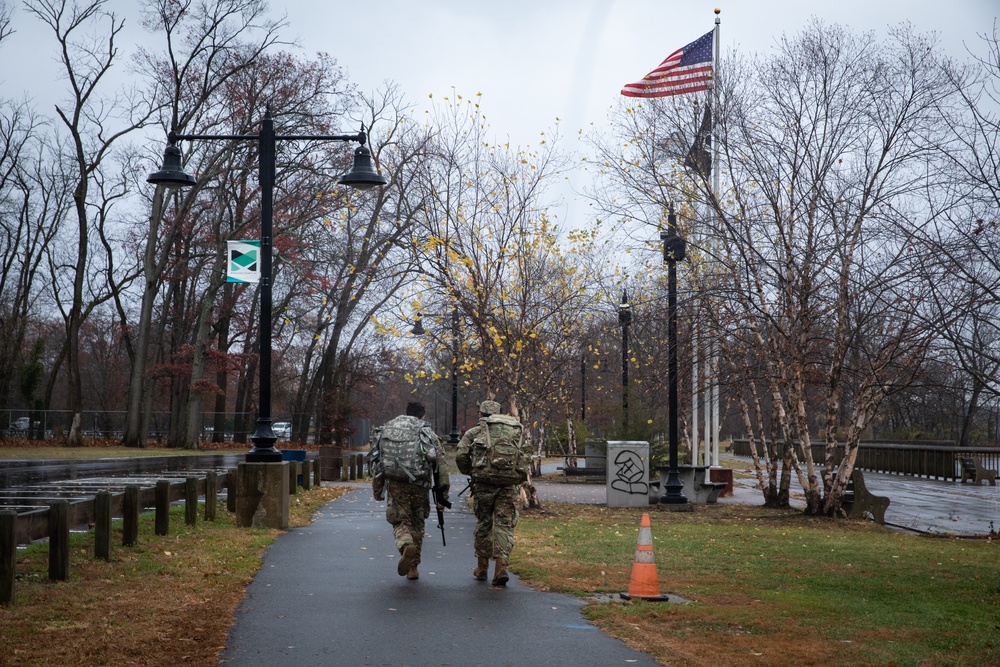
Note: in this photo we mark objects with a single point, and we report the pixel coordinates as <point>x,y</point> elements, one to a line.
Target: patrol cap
<point>489,408</point>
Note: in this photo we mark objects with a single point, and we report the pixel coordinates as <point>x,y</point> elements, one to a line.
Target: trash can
<point>295,455</point>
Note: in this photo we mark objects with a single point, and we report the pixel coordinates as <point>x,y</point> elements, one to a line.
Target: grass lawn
<point>773,587</point>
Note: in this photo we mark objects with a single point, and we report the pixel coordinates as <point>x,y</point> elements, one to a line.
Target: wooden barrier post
<point>130,518</point>
<point>211,495</point>
<point>317,472</point>
<point>307,467</point>
<point>162,525</point>
<point>293,477</point>
<point>102,525</point>
<point>59,540</point>
<point>232,486</point>
<point>190,501</point>
<point>8,556</point>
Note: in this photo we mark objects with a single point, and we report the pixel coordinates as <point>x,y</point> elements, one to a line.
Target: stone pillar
<point>262,495</point>
<point>628,473</point>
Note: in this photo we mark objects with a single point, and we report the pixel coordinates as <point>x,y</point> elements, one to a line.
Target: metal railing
<point>935,459</point>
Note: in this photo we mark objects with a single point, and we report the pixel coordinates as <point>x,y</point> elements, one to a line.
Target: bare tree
<point>206,46</point>
<point>355,260</point>
<point>827,151</point>
<point>491,253</point>
<point>963,245</point>
<point>5,13</point>
<point>33,202</point>
<point>94,126</point>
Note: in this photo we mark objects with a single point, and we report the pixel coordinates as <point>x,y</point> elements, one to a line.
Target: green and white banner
<point>243,265</point>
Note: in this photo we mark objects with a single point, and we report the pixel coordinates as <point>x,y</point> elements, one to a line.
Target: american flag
<point>686,70</point>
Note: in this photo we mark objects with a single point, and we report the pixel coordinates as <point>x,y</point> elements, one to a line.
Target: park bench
<point>594,470</point>
<point>697,487</point>
<point>859,501</point>
<point>974,470</point>
<point>588,474</point>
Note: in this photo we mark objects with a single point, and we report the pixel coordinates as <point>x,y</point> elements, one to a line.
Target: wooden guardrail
<point>98,510</point>
<point>932,459</point>
<point>345,465</point>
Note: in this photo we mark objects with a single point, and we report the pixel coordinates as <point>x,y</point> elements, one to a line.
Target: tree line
<point>841,280</point>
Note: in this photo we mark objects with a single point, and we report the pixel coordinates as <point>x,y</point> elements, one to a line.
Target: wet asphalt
<point>328,594</point>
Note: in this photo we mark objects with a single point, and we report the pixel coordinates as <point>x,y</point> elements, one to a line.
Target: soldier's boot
<point>482,569</point>
<point>500,577</point>
<point>407,560</point>
<point>412,573</point>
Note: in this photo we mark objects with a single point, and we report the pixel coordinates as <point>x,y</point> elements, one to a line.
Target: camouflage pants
<point>406,508</point>
<point>496,517</point>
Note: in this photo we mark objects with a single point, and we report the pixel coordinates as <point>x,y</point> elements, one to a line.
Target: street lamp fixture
<point>673,252</point>
<point>418,330</point>
<point>362,175</point>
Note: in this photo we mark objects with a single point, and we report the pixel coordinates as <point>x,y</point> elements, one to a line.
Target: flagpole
<point>713,384</point>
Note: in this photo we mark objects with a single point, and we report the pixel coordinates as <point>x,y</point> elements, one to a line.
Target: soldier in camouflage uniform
<point>407,505</point>
<point>495,508</point>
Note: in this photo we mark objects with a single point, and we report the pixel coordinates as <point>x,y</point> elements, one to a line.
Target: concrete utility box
<point>628,473</point>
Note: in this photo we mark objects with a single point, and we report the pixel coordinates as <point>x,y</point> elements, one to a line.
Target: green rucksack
<point>405,450</point>
<point>496,455</point>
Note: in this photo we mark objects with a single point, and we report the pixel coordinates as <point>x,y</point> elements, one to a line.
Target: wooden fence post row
<point>59,540</point>
<point>211,495</point>
<point>59,516</point>
<point>130,515</point>
<point>191,501</point>
<point>8,559</point>
<point>161,525</point>
<point>102,525</point>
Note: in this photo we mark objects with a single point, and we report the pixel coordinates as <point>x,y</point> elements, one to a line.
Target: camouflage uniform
<point>407,507</point>
<point>496,517</point>
<point>495,507</point>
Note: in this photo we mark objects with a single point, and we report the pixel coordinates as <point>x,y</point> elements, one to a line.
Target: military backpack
<point>496,455</point>
<point>406,450</point>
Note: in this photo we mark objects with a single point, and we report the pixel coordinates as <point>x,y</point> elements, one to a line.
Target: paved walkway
<point>916,504</point>
<point>328,594</point>
<point>926,505</point>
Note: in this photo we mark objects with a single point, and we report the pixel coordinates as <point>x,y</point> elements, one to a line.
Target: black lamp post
<point>624,319</point>
<point>673,251</point>
<point>362,175</point>
<point>418,329</point>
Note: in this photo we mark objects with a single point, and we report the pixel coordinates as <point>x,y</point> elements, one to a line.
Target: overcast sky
<point>536,60</point>
<point>532,60</point>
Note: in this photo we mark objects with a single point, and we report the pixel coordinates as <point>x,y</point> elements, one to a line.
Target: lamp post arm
<point>360,137</point>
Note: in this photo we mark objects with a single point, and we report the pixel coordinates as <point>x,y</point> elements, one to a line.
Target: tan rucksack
<point>496,454</point>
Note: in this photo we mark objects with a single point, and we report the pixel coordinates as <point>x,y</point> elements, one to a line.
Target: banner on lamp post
<point>243,262</point>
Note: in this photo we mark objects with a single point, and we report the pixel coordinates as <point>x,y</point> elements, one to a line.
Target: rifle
<point>439,497</point>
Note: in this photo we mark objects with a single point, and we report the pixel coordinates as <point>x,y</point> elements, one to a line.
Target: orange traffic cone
<point>644,584</point>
